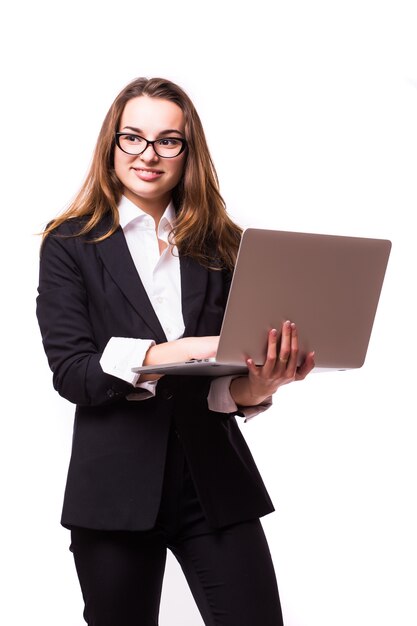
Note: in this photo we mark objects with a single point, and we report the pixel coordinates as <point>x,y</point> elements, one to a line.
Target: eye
<point>169,142</point>
<point>132,139</point>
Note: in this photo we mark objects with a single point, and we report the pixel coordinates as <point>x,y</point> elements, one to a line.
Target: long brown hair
<point>203,228</point>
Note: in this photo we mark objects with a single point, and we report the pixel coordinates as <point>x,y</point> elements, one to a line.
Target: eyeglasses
<point>166,147</point>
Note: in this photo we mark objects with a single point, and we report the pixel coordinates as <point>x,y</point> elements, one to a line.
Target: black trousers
<point>229,571</point>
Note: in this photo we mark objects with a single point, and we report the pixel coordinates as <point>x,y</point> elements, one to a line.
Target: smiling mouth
<point>147,174</point>
<point>147,169</point>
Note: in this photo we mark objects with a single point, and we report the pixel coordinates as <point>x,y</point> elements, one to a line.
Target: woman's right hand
<point>183,349</point>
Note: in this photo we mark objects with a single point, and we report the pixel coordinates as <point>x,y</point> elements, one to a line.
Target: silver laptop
<point>329,285</point>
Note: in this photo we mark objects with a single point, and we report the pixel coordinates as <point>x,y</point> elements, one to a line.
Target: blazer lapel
<point>193,288</point>
<point>117,259</point>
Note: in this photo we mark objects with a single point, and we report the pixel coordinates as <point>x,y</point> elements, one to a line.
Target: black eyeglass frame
<point>151,143</point>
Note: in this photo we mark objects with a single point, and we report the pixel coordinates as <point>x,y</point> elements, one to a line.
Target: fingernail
<point>274,331</point>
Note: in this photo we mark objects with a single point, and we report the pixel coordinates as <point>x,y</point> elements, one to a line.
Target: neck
<point>153,207</point>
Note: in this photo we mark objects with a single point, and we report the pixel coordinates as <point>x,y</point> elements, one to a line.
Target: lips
<point>147,174</point>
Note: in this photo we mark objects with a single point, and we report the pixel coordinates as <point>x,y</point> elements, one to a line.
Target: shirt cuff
<point>220,399</point>
<point>123,353</point>
<point>148,390</point>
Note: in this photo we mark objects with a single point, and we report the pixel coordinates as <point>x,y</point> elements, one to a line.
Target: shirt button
<point>159,299</point>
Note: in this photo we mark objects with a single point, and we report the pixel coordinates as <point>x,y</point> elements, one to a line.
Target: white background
<point>328,91</point>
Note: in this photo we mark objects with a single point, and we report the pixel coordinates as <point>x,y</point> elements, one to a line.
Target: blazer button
<point>110,393</point>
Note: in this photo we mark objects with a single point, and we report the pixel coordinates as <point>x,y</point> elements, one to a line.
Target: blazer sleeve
<point>66,329</point>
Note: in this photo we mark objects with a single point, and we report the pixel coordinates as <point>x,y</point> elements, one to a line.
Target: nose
<point>149,154</point>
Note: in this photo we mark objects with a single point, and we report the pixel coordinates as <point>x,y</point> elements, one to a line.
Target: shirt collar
<point>129,212</point>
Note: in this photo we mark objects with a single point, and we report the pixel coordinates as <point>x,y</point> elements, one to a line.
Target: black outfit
<point>118,473</point>
<point>229,570</point>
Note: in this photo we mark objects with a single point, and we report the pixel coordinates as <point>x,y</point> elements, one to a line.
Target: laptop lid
<point>329,285</point>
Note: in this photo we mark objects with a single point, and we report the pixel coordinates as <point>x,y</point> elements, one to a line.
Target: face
<point>148,179</point>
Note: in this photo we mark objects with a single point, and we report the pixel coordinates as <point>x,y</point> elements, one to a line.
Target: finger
<point>253,369</point>
<point>271,352</point>
<point>285,347</point>
<point>293,359</point>
<point>306,367</point>
<point>270,360</point>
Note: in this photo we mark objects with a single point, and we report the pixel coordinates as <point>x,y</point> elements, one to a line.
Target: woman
<point>137,270</point>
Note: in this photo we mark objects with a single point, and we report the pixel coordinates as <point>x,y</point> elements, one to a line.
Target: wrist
<point>167,352</point>
<point>243,394</point>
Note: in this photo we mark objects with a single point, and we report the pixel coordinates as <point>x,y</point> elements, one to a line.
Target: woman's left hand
<point>280,368</point>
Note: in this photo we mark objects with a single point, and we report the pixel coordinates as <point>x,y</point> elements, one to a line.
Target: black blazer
<point>89,292</point>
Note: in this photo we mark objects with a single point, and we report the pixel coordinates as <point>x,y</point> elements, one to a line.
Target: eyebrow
<point>168,131</point>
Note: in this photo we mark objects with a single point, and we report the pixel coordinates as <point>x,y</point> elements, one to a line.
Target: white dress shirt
<point>161,278</point>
